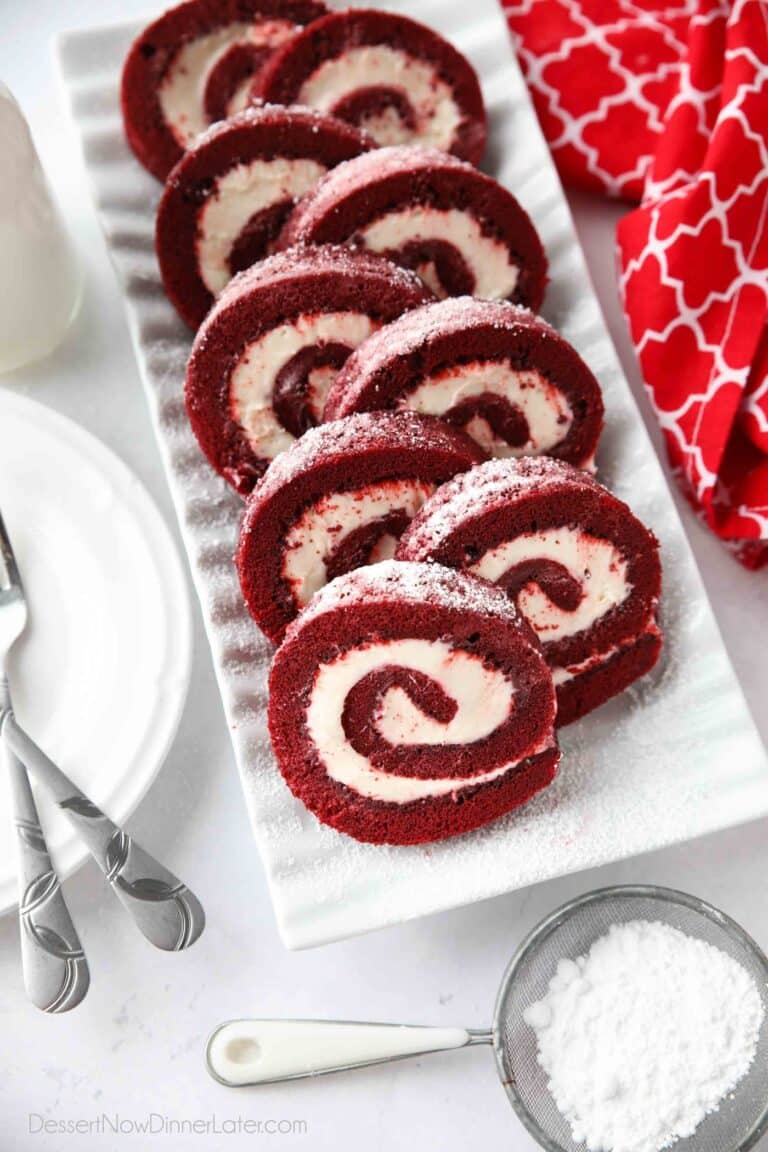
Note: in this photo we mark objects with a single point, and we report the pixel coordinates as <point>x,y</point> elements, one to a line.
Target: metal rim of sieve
<point>539,934</point>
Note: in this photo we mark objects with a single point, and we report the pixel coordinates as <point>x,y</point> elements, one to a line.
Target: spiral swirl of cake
<point>195,64</point>
<point>392,76</point>
<point>265,355</point>
<point>574,560</point>
<point>487,366</point>
<point>461,231</point>
<point>338,498</point>
<point>228,197</point>
<point>408,703</point>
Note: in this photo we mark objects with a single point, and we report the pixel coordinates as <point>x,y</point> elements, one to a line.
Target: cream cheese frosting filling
<point>240,194</point>
<point>181,93</point>
<point>436,114</point>
<point>562,674</point>
<point>484,699</point>
<point>489,260</point>
<point>319,531</point>
<point>240,98</point>
<point>596,564</point>
<point>253,377</point>
<point>545,408</point>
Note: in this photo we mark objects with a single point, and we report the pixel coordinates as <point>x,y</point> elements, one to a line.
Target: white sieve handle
<point>265,1051</point>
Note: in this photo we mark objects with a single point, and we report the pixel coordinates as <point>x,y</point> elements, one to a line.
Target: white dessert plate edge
<point>116,759</point>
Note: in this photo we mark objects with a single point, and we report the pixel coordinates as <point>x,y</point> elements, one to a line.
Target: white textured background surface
<point>135,1047</point>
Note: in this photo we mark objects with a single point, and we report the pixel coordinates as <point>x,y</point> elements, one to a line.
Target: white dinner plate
<point>673,758</point>
<point>100,677</point>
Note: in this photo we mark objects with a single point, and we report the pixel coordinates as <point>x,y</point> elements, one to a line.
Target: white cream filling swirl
<point>484,699</point>
<point>435,111</point>
<point>596,564</point>
<point>545,408</point>
<point>322,528</point>
<point>252,380</point>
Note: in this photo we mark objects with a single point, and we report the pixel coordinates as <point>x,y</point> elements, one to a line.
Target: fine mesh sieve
<point>570,931</point>
<point>244,1052</point>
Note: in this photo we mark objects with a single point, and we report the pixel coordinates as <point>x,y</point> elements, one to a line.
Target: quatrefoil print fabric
<point>668,105</point>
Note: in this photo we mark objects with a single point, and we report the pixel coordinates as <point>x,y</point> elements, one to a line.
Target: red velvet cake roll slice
<point>487,366</point>
<point>266,353</point>
<point>460,230</point>
<point>388,74</point>
<point>195,65</point>
<point>581,569</point>
<point>409,704</point>
<point>339,498</point>
<point>228,197</point>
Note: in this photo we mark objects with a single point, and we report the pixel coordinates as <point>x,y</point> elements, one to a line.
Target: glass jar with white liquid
<point>40,276</point>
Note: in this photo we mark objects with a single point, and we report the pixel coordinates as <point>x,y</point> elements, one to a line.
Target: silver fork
<point>55,969</point>
<point>165,910</point>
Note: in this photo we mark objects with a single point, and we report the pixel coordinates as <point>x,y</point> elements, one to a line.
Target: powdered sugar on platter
<point>673,758</point>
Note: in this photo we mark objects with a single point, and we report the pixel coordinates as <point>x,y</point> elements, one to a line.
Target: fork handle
<point>165,911</point>
<point>56,976</point>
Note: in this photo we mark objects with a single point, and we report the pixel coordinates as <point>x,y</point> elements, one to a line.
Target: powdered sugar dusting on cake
<point>359,433</point>
<point>422,325</point>
<point>278,116</point>
<point>470,493</point>
<point>415,583</point>
<point>377,165</point>
<point>293,262</point>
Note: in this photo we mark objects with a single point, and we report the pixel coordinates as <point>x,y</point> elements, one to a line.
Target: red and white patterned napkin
<point>669,104</point>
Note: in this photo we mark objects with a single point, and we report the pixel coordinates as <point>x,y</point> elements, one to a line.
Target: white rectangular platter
<point>675,758</point>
